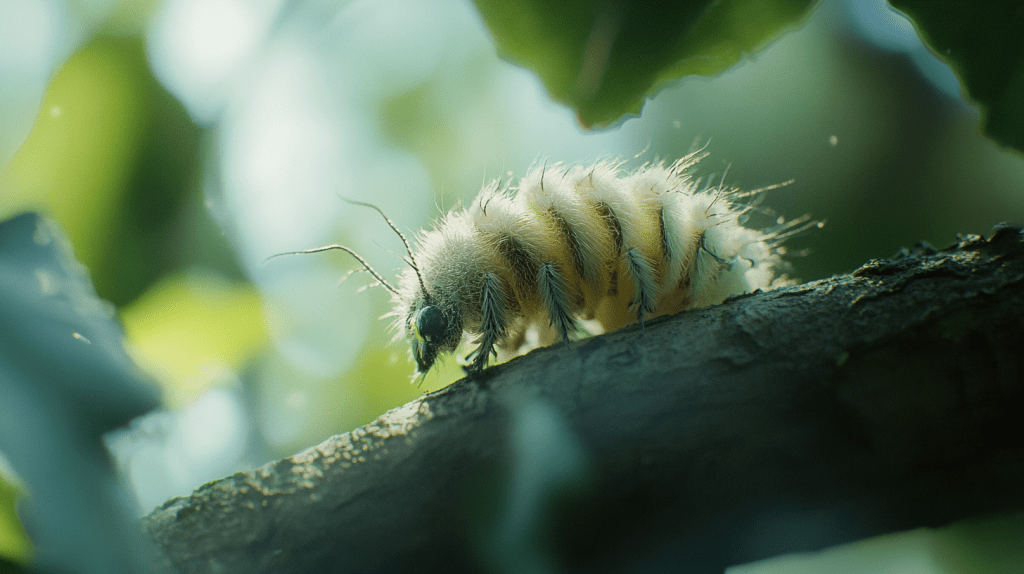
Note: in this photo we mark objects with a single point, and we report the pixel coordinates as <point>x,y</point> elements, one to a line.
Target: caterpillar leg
<point>707,266</point>
<point>555,295</point>
<point>704,248</point>
<point>494,308</point>
<point>644,283</point>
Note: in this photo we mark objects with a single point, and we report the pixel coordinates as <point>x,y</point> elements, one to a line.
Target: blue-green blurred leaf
<point>604,58</point>
<point>984,44</point>
<point>65,379</point>
<point>58,337</point>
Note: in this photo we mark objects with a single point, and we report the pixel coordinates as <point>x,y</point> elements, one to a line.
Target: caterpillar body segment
<point>526,266</point>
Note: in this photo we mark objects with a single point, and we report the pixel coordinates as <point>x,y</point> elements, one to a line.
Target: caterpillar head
<point>432,329</point>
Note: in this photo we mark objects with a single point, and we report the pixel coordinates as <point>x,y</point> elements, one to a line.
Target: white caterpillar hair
<point>569,246</point>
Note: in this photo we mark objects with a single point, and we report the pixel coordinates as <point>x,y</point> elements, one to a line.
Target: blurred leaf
<point>113,158</point>
<point>604,58</point>
<point>14,543</point>
<point>130,17</point>
<point>77,161</point>
<point>984,44</point>
<point>908,551</point>
<point>65,379</point>
<point>56,333</point>
<point>192,330</point>
<point>983,545</point>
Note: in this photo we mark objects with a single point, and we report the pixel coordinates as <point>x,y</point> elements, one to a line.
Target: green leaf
<point>14,543</point>
<point>984,44</point>
<point>604,58</point>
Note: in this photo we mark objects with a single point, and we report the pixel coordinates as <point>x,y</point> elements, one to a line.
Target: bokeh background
<point>182,142</point>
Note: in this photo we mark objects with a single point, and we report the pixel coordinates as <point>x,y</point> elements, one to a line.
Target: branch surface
<point>784,421</point>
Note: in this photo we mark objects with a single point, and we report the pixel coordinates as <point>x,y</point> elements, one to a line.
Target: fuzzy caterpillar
<point>575,246</point>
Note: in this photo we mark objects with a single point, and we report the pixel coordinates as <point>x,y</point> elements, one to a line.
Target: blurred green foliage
<point>79,158</point>
<point>604,58</point>
<point>983,545</point>
<point>115,160</point>
<point>14,543</point>
<point>984,44</point>
<point>193,331</point>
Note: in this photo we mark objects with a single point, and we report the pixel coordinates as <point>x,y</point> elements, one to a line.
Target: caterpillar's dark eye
<point>431,324</point>
<point>434,333</point>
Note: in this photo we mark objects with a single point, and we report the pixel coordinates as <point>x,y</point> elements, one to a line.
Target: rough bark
<point>791,420</point>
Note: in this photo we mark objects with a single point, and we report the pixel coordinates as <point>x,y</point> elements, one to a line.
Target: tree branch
<point>783,421</point>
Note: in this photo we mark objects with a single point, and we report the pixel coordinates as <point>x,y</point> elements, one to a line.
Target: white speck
<point>48,284</point>
<point>55,111</point>
<point>833,141</point>
<point>82,338</point>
